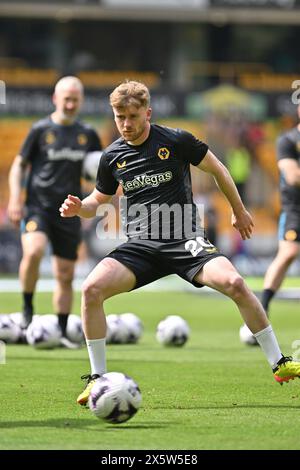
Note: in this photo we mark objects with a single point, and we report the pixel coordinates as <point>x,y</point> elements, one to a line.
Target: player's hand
<point>243,223</point>
<point>70,207</point>
<point>15,212</point>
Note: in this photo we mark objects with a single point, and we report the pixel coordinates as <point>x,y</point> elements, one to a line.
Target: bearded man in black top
<point>52,158</point>
<point>288,156</point>
<point>151,163</point>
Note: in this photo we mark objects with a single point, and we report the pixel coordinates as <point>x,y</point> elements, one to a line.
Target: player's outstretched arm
<point>241,219</point>
<point>87,208</point>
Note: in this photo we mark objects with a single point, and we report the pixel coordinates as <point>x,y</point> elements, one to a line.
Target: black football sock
<point>267,296</point>
<point>28,306</point>
<point>62,321</point>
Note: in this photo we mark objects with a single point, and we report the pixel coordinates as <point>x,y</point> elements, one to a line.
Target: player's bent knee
<point>236,286</point>
<point>92,293</point>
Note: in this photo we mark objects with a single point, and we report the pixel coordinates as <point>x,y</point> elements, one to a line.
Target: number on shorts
<point>197,245</point>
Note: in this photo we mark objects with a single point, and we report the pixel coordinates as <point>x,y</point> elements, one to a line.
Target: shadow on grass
<point>111,360</point>
<point>82,424</point>
<point>44,358</point>
<point>227,407</point>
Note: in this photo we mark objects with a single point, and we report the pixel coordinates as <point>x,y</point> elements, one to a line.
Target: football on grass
<point>117,330</point>
<point>134,326</point>
<point>115,398</point>
<point>173,331</point>
<point>247,337</point>
<point>44,332</point>
<point>74,329</point>
<point>10,332</point>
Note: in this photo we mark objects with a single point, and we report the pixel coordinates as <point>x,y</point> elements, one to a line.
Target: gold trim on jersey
<point>211,250</point>
<point>121,165</point>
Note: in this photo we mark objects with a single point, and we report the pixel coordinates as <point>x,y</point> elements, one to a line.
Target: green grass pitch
<point>214,393</point>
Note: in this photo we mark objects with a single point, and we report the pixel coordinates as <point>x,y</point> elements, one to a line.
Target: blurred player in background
<point>51,158</point>
<point>288,155</point>
<point>152,164</point>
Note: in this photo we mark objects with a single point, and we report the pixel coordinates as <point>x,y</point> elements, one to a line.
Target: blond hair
<point>130,93</point>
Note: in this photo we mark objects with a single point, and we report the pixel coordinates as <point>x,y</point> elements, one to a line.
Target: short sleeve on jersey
<point>30,145</point>
<point>286,148</point>
<point>105,182</point>
<point>192,150</point>
<point>95,142</point>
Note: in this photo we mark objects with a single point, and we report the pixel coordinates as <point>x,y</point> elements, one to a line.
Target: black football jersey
<point>155,178</point>
<point>56,153</point>
<point>288,146</point>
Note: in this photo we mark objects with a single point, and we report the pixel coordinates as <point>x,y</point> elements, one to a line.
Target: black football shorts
<point>289,226</point>
<point>150,260</point>
<point>64,233</point>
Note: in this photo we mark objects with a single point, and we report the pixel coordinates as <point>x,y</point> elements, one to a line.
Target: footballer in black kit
<point>51,164</point>
<point>288,156</point>
<point>288,146</point>
<point>153,175</point>
<point>151,163</point>
<point>55,153</point>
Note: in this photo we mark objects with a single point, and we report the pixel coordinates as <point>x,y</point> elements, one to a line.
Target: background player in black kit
<point>53,152</point>
<point>288,155</point>
<point>152,164</point>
